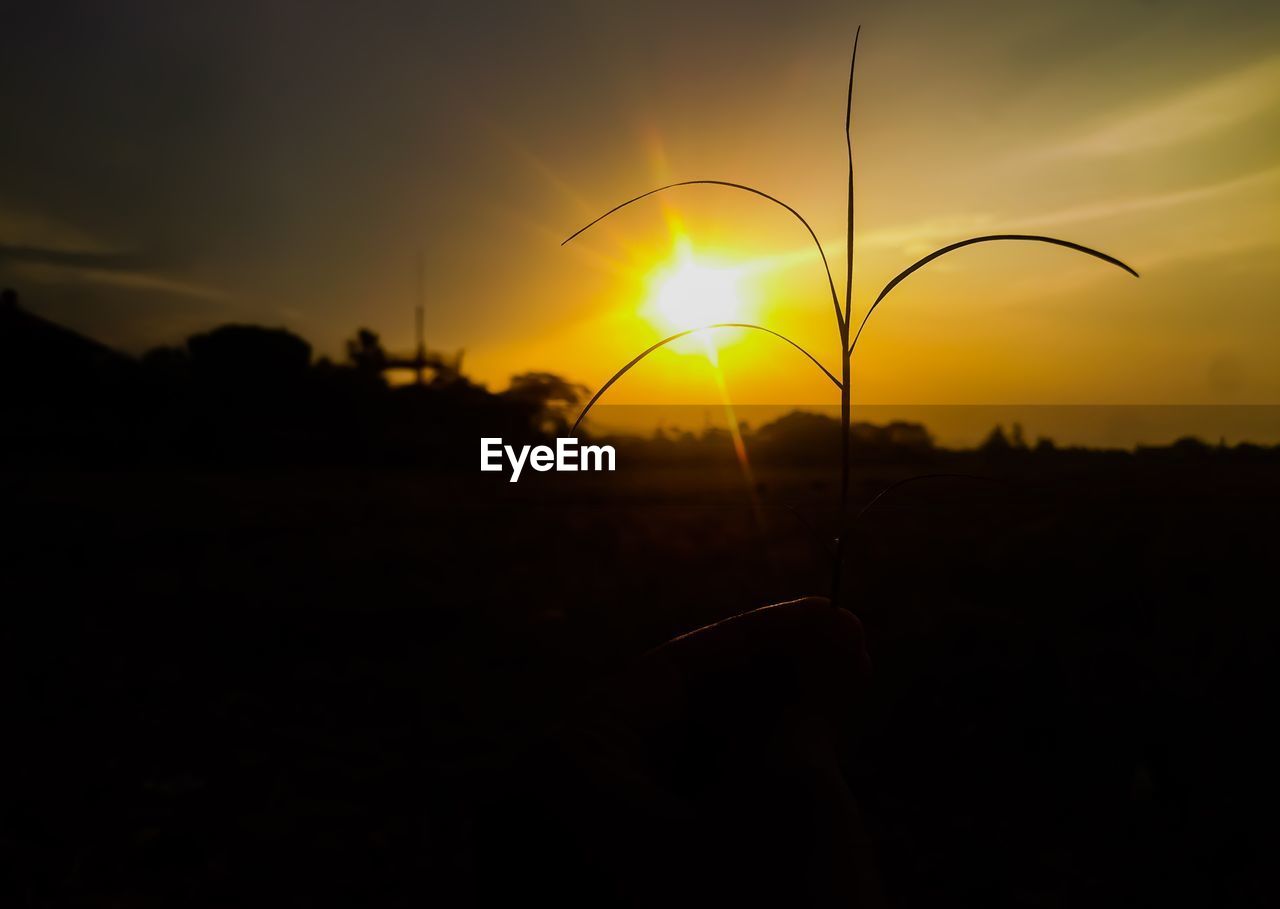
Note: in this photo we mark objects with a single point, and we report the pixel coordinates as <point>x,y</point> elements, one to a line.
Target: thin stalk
<point>845,432</point>
<point>846,354</point>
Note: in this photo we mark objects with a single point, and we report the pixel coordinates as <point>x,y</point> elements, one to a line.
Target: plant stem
<point>842,517</point>
<point>846,354</point>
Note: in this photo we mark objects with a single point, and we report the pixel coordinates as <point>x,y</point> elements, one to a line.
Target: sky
<point>170,167</point>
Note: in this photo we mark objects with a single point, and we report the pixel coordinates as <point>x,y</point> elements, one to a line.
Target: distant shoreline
<point>963,426</point>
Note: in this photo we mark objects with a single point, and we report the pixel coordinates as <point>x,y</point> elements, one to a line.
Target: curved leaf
<point>954,246</point>
<point>821,252</point>
<point>624,370</point>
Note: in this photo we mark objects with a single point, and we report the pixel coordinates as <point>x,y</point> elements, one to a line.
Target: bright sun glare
<point>690,292</point>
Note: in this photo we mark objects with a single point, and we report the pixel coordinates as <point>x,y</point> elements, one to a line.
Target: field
<point>285,687</point>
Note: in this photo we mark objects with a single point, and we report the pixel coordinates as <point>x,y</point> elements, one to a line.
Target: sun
<point>691,291</point>
<point>693,294</point>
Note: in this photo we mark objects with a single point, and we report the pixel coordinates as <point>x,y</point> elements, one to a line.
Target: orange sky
<point>297,162</point>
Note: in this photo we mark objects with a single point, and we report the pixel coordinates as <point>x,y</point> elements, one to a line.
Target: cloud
<point>68,258</point>
<point>1151,202</point>
<point>47,267</point>
<point>44,250</point>
<point>1199,111</point>
<point>915,237</point>
<point>910,237</point>
<point>155,283</point>
<point>30,230</point>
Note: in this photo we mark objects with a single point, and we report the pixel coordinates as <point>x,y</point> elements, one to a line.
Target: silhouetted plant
<point>843,308</point>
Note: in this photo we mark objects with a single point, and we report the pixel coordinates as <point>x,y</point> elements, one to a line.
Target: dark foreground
<point>325,687</point>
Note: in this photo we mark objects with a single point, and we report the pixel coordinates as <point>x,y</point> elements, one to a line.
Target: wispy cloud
<point>1151,202</point>
<point>68,258</point>
<point>32,230</point>
<point>155,283</point>
<point>45,250</point>
<point>47,270</point>
<point>915,237</point>
<point>1191,113</point>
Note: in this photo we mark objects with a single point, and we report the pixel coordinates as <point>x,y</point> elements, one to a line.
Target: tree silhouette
<point>366,353</point>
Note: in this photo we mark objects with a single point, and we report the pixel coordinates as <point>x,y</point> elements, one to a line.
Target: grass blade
<point>848,141</point>
<point>624,370</point>
<point>972,240</point>
<point>846,413</point>
<point>835,299</point>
